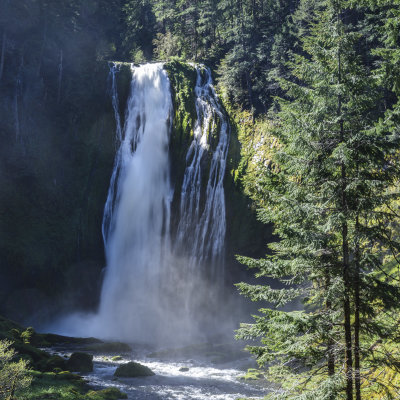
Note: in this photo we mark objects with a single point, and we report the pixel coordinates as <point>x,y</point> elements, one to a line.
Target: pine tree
<point>327,186</point>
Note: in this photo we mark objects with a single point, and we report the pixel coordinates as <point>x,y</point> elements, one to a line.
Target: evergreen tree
<point>325,191</point>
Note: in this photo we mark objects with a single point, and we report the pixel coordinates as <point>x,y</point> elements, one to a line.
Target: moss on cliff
<point>245,235</point>
<point>182,77</point>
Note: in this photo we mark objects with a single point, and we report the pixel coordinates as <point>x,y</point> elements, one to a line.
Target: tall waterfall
<point>137,211</point>
<point>161,281</point>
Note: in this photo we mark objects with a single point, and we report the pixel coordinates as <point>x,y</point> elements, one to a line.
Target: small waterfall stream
<point>202,231</point>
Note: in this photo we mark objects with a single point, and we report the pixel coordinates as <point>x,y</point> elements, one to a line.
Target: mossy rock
<point>81,362</point>
<point>133,370</point>
<point>182,77</point>
<point>68,376</point>
<point>56,362</point>
<point>50,339</point>
<point>109,347</point>
<point>62,386</point>
<point>116,358</point>
<point>39,357</point>
<point>106,394</point>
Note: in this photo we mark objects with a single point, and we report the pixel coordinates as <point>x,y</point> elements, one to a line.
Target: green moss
<point>50,339</point>
<point>245,234</point>
<point>133,370</point>
<point>56,362</point>
<point>66,386</point>
<point>49,385</point>
<point>8,328</point>
<point>182,78</point>
<point>81,362</point>
<point>106,394</point>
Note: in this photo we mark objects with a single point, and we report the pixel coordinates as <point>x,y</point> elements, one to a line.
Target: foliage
<point>13,375</point>
<point>132,370</point>
<point>166,46</point>
<point>328,187</point>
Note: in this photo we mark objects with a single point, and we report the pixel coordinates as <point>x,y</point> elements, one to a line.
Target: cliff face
<point>56,155</point>
<point>56,158</point>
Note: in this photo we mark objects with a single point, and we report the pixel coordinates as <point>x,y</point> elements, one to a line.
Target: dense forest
<point>312,90</point>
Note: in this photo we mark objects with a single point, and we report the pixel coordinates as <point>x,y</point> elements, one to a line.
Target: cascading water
<point>137,211</point>
<point>161,283</point>
<point>208,224</point>
<point>112,191</point>
<point>145,291</point>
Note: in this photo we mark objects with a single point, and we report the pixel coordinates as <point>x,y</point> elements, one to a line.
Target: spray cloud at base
<point>163,283</point>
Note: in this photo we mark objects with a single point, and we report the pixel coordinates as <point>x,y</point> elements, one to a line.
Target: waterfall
<point>145,291</point>
<point>137,211</point>
<point>208,224</point>
<point>161,282</point>
<point>114,69</point>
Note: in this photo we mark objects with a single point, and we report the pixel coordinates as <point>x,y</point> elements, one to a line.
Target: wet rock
<point>133,370</point>
<point>81,362</point>
<point>184,369</point>
<point>56,362</point>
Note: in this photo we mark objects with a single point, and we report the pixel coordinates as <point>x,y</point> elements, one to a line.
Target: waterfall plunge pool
<point>204,379</point>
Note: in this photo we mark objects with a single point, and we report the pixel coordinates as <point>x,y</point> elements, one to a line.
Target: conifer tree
<point>326,191</point>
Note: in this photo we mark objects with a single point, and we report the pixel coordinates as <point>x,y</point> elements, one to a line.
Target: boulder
<point>80,362</point>
<point>133,370</point>
<point>54,362</point>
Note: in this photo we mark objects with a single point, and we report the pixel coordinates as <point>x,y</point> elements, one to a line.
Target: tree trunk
<point>331,355</point>
<point>357,375</point>
<point>347,315</point>
<point>345,243</point>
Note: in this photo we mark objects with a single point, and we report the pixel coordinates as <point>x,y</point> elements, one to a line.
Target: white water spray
<point>136,239</point>
<point>207,223</point>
